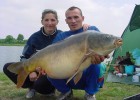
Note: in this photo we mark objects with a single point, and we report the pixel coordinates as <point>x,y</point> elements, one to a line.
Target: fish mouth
<point>118,42</point>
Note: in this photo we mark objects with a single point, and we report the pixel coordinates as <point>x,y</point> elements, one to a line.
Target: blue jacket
<point>66,34</point>
<point>38,41</point>
<point>89,81</point>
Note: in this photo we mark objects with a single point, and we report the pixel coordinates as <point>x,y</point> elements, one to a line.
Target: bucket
<point>129,69</point>
<point>137,61</point>
<point>135,78</point>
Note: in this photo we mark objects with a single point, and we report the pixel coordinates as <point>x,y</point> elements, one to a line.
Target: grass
<point>110,91</point>
<point>4,44</point>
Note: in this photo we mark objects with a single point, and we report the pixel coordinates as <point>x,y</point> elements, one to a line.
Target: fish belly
<point>64,66</point>
<point>62,61</point>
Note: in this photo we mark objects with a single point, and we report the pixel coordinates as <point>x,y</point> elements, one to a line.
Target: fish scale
<point>67,58</point>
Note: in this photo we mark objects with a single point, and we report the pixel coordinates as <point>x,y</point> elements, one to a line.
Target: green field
<point>110,91</point>
<point>2,44</point>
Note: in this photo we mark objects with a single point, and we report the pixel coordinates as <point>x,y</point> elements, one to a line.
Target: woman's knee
<point>5,67</point>
<point>43,86</point>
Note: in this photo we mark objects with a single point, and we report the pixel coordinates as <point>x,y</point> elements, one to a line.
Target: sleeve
<point>59,37</point>
<point>28,50</point>
<point>93,28</point>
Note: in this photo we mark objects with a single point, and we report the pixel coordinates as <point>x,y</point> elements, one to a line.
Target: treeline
<point>11,40</point>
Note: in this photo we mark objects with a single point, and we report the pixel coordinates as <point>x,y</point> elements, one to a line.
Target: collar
<point>42,30</point>
<point>77,31</point>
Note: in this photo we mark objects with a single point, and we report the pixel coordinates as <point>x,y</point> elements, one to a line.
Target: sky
<point>24,16</point>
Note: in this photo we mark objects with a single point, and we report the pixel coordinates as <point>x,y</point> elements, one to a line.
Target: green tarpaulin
<point>131,41</point>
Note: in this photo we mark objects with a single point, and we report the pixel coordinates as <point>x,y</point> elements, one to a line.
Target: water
<point>13,53</point>
<point>9,54</point>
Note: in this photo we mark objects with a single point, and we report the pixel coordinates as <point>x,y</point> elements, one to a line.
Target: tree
<point>9,39</point>
<point>20,38</point>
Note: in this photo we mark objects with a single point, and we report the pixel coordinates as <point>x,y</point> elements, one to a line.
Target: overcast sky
<point>24,16</point>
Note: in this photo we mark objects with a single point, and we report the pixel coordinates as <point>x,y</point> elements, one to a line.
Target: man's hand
<point>97,59</point>
<point>85,27</point>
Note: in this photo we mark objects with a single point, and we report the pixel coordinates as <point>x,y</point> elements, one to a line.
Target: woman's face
<point>49,23</point>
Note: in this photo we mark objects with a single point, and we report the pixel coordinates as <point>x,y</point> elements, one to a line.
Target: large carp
<point>67,58</point>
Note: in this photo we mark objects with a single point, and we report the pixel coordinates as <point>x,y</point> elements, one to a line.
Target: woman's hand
<point>33,76</point>
<point>40,71</point>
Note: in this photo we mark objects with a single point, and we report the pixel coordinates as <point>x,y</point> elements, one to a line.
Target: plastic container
<point>135,78</point>
<point>137,61</point>
<point>129,69</point>
<point>136,53</point>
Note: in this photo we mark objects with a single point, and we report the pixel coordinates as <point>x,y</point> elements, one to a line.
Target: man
<point>90,81</point>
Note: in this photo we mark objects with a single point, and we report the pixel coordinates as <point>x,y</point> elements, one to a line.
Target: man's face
<point>74,19</point>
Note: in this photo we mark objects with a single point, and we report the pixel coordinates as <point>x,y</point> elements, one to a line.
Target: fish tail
<point>15,67</point>
<point>22,77</point>
<point>19,69</point>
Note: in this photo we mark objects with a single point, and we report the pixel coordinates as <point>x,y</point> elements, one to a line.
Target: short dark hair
<point>74,7</point>
<point>47,11</point>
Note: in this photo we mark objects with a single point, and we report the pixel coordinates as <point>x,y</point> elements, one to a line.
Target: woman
<point>38,41</point>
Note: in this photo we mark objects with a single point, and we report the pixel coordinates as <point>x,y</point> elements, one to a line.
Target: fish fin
<point>18,68</point>
<point>71,77</point>
<point>22,75</point>
<point>90,52</point>
<point>82,60</point>
<point>77,77</point>
<point>15,67</point>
